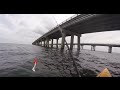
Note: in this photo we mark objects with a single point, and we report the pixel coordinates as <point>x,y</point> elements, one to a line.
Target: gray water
<point>16,60</point>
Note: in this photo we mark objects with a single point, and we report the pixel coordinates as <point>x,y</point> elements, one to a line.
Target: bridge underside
<point>103,22</point>
<point>97,24</point>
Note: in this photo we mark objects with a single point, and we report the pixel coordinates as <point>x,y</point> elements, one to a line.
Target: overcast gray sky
<point>25,28</point>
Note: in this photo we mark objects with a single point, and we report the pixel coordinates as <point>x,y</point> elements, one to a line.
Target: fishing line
<point>70,53</point>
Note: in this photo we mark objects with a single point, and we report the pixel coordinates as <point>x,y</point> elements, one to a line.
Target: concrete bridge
<point>80,24</point>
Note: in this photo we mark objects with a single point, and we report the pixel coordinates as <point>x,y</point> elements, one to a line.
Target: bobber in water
<point>35,63</point>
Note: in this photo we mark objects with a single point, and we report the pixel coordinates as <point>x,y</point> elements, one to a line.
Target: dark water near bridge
<point>16,60</point>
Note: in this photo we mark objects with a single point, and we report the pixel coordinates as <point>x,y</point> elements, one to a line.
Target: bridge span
<point>77,25</point>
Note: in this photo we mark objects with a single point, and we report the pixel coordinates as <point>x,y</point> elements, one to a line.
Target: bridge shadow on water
<point>89,63</point>
<point>61,61</point>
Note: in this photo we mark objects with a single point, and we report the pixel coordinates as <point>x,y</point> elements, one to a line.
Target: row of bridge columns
<point>45,42</point>
<point>93,48</point>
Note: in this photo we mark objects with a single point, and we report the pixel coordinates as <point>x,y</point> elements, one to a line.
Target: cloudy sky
<point>25,28</point>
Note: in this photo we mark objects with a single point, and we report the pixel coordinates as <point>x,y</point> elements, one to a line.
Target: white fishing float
<point>35,63</point>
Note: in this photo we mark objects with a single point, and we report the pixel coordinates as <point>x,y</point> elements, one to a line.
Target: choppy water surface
<point>16,60</point>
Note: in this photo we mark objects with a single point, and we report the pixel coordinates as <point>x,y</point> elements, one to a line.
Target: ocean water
<point>16,60</point>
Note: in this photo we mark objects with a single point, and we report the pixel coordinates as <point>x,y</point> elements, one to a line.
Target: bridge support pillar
<point>110,49</point>
<point>72,41</point>
<point>37,43</point>
<point>47,42</point>
<point>63,40</point>
<point>41,43</point>
<point>78,42</point>
<point>52,43</point>
<point>44,43</point>
<point>57,43</point>
<point>82,47</point>
<point>92,47</point>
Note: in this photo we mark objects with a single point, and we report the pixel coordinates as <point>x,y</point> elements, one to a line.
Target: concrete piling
<point>52,44</point>
<point>78,41</point>
<point>72,41</point>
<point>110,49</point>
<point>63,41</point>
<point>57,43</point>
